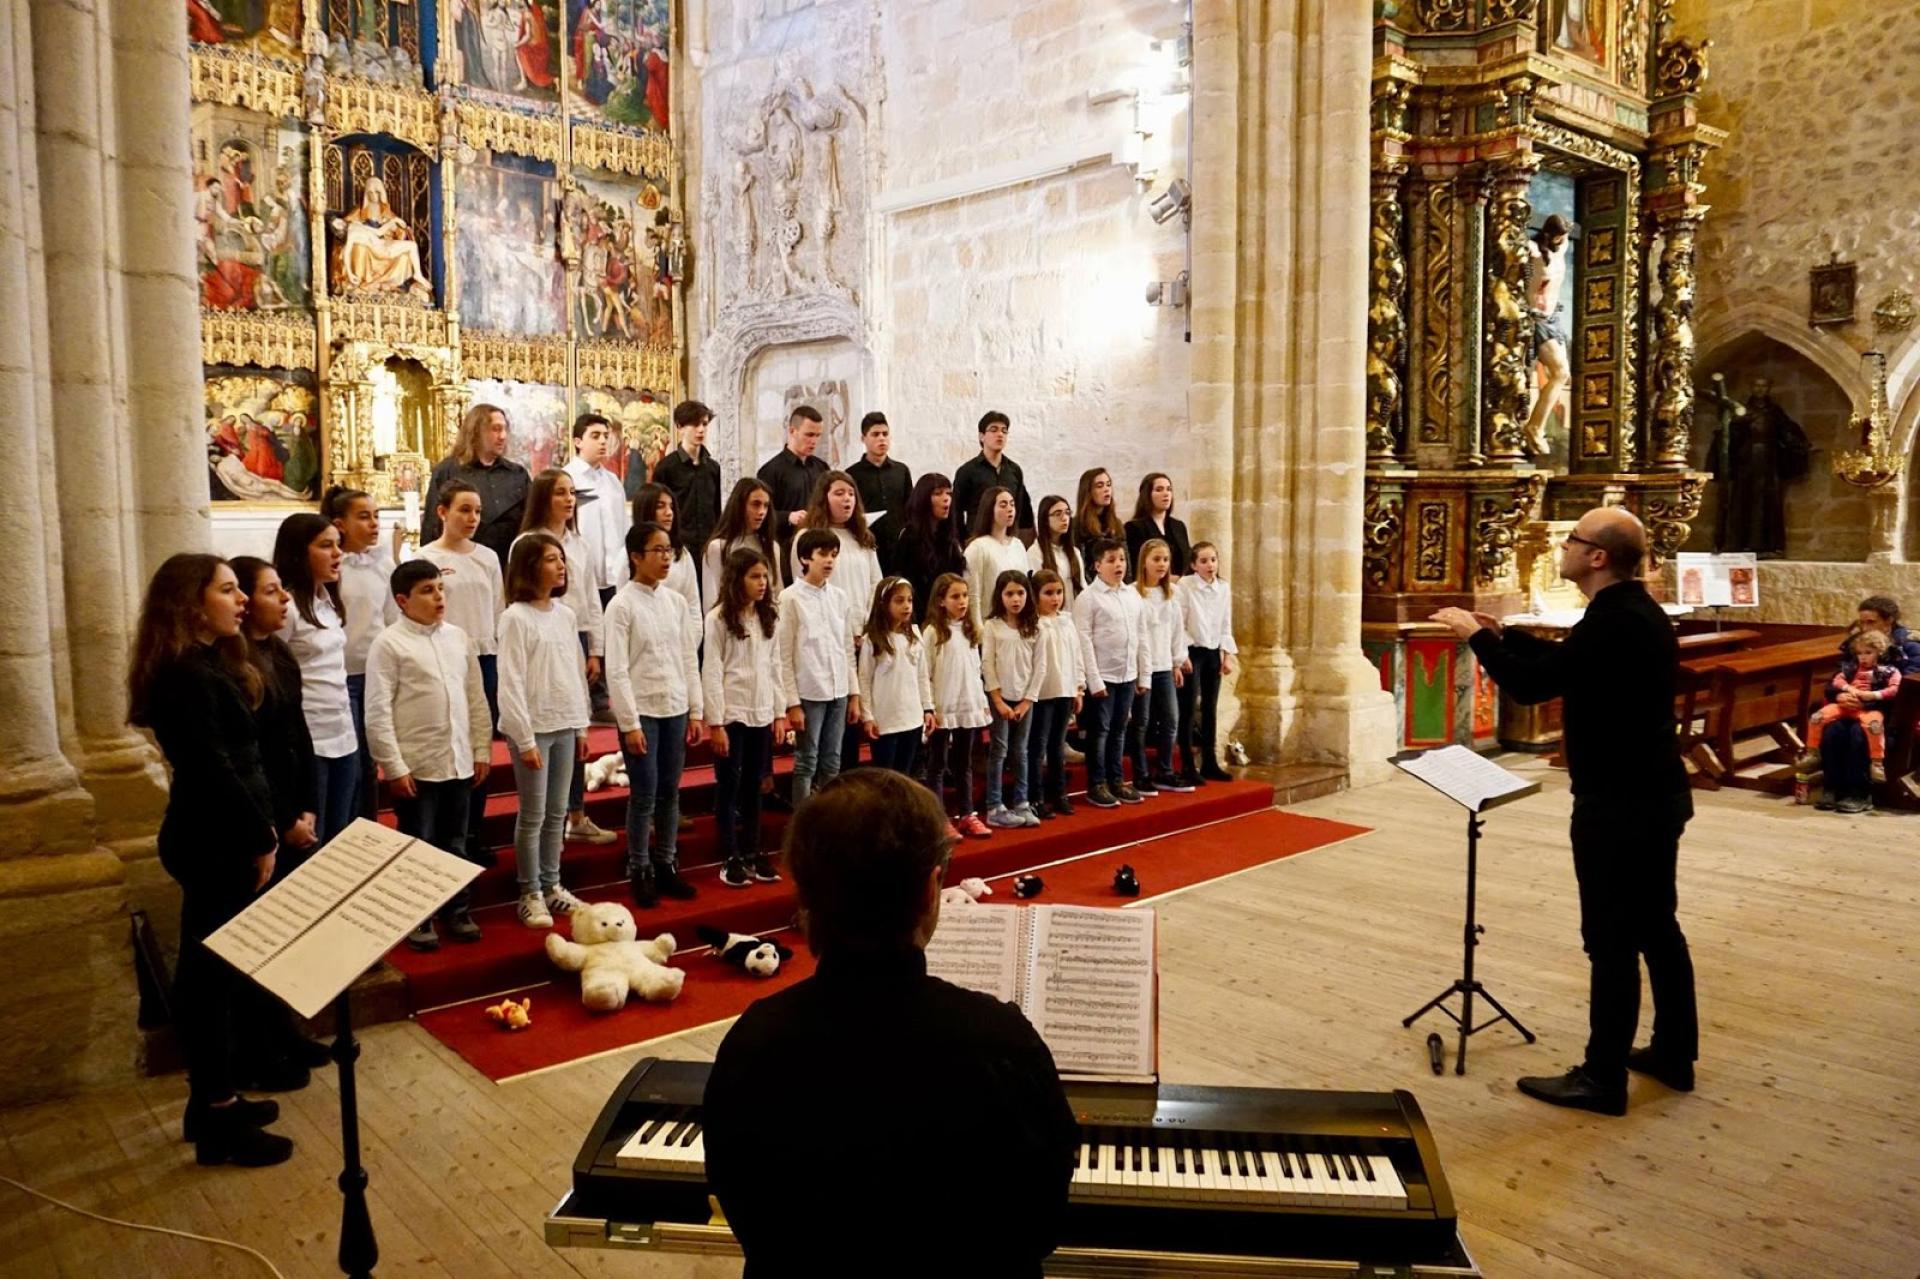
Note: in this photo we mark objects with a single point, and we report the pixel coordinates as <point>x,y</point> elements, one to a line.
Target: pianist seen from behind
<point>873,1120</point>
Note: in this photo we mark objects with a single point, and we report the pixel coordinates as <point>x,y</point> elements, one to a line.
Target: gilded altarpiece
<point>1535,198</point>
<point>405,207</point>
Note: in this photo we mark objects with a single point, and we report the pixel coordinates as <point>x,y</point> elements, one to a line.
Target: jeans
<point>335,796</point>
<point>895,750</point>
<point>476,850</point>
<point>1047,747</point>
<point>540,827</point>
<point>1106,732</point>
<point>206,987</point>
<point>1624,859</point>
<point>1844,760</point>
<point>577,788</point>
<point>816,752</point>
<point>438,814</point>
<point>1007,748</point>
<point>1202,689</point>
<point>1153,717</point>
<point>369,805</point>
<point>736,801</point>
<point>655,795</point>
<point>955,746</point>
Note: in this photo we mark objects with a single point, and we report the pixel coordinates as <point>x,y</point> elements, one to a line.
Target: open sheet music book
<point>322,926</point>
<point>1472,781</point>
<point>1085,976</point>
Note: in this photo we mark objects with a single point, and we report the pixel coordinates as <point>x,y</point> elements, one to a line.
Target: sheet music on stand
<point>312,934</point>
<point>1467,778</point>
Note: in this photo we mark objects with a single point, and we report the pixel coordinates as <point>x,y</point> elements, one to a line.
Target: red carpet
<point>563,1031</point>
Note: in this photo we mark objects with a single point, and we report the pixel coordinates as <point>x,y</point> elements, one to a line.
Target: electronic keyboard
<point>1168,1179</point>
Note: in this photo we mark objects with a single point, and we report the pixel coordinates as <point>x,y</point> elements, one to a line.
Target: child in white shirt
<point>1056,698</point>
<point>1206,604</point>
<point>746,713</point>
<point>896,689</point>
<point>1011,668</point>
<point>959,699</point>
<point>993,549</point>
<point>653,681</point>
<point>1166,644</point>
<point>543,715</point>
<point>836,507</point>
<point>470,578</point>
<point>1113,636</point>
<point>429,729</point>
<point>366,597</point>
<point>814,647</point>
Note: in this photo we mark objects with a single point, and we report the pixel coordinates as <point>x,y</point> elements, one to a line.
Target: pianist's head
<point>868,852</point>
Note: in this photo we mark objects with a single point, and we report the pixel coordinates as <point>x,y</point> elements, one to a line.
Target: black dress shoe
<point>1577,1089</point>
<point>309,1052</point>
<point>1062,806</point>
<point>1215,773</point>
<point>223,1136</point>
<point>645,896</point>
<point>258,1113</point>
<point>276,1075</point>
<point>1677,1075</point>
<point>671,885</point>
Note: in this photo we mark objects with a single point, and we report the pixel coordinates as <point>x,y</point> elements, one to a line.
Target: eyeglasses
<point>1574,539</point>
<point>659,550</point>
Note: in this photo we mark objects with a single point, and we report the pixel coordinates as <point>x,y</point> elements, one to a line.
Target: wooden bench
<point>1761,692</point>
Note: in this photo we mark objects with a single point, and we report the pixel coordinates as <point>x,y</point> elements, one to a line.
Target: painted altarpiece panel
<point>619,51</point>
<point>511,277</point>
<point>250,211</point>
<point>262,436</point>
<point>626,282</point>
<point>268,27</point>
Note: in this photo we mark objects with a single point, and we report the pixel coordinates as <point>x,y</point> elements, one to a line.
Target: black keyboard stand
<point>1466,987</point>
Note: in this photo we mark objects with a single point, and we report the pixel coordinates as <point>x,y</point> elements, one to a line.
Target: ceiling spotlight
<point>1175,201</point>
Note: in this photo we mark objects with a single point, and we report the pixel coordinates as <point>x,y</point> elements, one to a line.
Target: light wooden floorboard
<point>1798,1155</point>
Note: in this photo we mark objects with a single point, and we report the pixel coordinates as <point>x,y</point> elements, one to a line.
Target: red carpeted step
<point>511,954</point>
<point>563,1031</point>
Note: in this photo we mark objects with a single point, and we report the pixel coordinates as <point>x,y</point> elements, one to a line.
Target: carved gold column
<point>1669,434</point>
<point>1507,342</point>
<point>1386,318</point>
<point>1472,268</point>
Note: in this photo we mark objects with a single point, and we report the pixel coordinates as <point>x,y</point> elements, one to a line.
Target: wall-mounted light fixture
<point>1175,201</point>
<point>1168,292</point>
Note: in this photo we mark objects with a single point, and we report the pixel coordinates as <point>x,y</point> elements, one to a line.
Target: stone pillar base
<point>70,1000</point>
<point>1331,710</point>
<point>43,809</point>
<point>129,785</point>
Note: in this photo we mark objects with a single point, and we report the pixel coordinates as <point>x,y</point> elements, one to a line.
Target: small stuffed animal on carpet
<point>611,962</point>
<point>608,770</point>
<point>1028,886</point>
<point>1125,882</point>
<point>512,1016</point>
<point>965,893</point>
<point>755,955</point>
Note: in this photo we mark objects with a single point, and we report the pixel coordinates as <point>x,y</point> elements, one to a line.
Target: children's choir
<point>275,689</point>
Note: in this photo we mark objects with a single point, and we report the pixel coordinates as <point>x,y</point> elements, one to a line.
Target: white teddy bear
<point>611,963</point>
<point>608,770</point>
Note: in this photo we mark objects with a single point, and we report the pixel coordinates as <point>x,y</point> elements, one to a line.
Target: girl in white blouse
<point>1167,665</point>
<point>543,715</point>
<point>743,524</point>
<point>654,503</point>
<point>1063,674</point>
<point>836,506</point>
<point>366,600</point>
<point>1011,668</point>
<point>745,719</point>
<point>896,688</point>
<point>993,550</point>
<point>1206,606</point>
<point>470,578</point>
<point>553,508</point>
<point>952,639</point>
<point>1053,545</point>
<point>306,554</point>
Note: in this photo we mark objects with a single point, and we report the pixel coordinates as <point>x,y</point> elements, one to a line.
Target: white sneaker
<point>562,902</point>
<point>1004,818</point>
<point>585,832</point>
<point>533,911</point>
<point>1028,816</point>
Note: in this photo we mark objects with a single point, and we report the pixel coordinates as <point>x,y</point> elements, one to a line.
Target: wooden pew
<point>1762,691</point>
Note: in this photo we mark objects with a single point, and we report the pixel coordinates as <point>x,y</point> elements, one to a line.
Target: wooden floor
<point>1797,1156</point>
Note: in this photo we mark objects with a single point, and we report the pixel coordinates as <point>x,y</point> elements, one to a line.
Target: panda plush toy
<point>755,955</point>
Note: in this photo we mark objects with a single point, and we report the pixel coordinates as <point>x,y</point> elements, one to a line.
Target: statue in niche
<point>378,253</point>
<point>785,149</point>
<point>1755,452</point>
<point>746,235</point>
<point>1546,279</point>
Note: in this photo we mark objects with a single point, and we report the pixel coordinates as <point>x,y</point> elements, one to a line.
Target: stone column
<point>152,116</point>
<point>1506,346</point>
<point>1279,362</point>
<point>87,364</point>
<point>1672,357</point>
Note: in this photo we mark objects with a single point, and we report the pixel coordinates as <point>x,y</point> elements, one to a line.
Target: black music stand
<point>1476,784</point>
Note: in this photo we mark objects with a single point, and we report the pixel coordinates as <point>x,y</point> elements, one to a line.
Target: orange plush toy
<point>512,1016</point>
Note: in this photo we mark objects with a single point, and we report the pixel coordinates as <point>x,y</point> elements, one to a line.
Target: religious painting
<point>377,40</point>
<point>1583,28</point>
<point>508,47</point>
<point>262,436</point>
<point>252,248</point>
<point>626,250</point>
<point>380,201</point>
<point>511,276</point>
<point>270,27</point>
<point>642,430</point>
<point>618,52</point>
<point>537,425</point>
<point>1831,289</point>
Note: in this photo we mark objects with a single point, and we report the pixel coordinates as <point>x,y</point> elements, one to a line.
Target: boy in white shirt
<point>813,642</point>
<point>428,728</point>
<point>603,515</point>
<point>1110,615</point>
<point>653,680</point>
<point>1207,603</point>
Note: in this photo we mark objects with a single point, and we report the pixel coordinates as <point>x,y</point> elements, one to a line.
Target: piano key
<point>1392,1193</point>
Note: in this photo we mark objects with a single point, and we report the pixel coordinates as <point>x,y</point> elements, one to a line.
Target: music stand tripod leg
<point>358,1249</point>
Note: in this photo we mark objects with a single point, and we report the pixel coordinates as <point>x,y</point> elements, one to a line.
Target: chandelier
<point>1875,464</point>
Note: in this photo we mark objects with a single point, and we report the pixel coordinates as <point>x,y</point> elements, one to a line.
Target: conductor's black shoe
<point>225,1137</point>
<point>309,1052</point>
<point>277,1074</point>
<point>258,1113</point>
<point>1577,1089</point>
<point>1677,1075</point>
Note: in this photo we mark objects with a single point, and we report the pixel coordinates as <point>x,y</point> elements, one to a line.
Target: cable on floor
<point>136,1225</point>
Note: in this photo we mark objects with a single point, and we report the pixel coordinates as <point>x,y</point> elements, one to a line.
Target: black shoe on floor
<point>1100,797</point>
<point>277,1075</point>
<point>1062,806</point>
<point>763,869</point>
<point>1043,809</point>
<point>672,885</point>
<point>734,874</point>
<point>255,1113</point>
<point>1677,1075</point>
<point>1215,773</point>
<point>1173,782</point>
<point>1193,780</point>
<point>308,1052</point>
<point>1141,786</point>
<point>1853,804</point>
<point>774,802</point>
<point>460,925</point>
<point>1576,1089</point>
<point>645,896</point>
<point>227,1138</point>
<point>1126,794</point>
